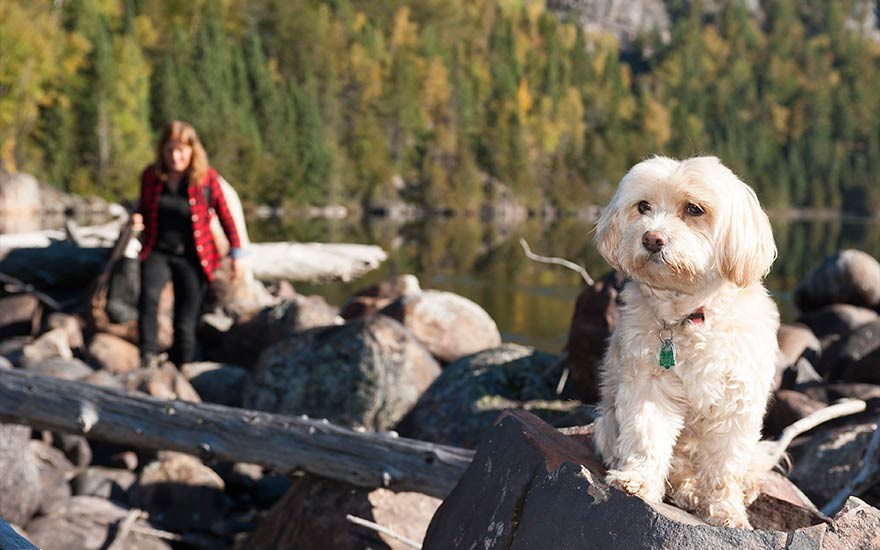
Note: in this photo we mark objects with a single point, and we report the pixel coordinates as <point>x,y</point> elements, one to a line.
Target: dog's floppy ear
<point>747,246</point>
<point>609,232</point>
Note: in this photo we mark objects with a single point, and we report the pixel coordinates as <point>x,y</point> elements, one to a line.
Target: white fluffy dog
<point>688,371</point>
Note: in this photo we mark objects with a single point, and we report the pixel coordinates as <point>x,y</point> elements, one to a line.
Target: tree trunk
<point>216,432</point>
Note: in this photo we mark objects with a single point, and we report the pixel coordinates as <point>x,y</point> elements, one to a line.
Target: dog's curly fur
<point>690,235</point>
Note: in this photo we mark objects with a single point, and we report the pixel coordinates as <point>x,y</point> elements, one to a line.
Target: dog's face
<point>679,225</point>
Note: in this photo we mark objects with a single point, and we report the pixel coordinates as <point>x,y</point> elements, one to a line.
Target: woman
<point>178,192</point>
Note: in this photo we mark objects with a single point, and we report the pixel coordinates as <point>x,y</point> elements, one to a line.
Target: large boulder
<point>372,299</point>
<point>19,475</point>
<point>312,516</point>
<point>855,357</point>
<point>471,393</point>
<point>243,343</point>
<point>831,459</point>
<point>850,277</point>
<point>836,319</point>
<point>450,326</point>
<point>530,486</point>
<point>113,353</point>
<point>216,382</point>
<point>367,373</point>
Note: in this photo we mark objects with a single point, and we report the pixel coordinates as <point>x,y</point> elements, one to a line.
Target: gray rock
<point>850,277</point>
<point>855,357</point>
<point>449,325</point>
<point>55,471</point>
<point>180,492</point>
<point>830,460</point>
<point>86,524</point>
<point>59,367</point>
<point>312,516</point>
<point>836,319</point>
<point>367,373</point>
<point>104,482</point>
<point>471,393</point>
<point>17,315</point>
<point>216,382</point>
<point>245,341</point>
<point>19,475</point>
<point>49,345</point>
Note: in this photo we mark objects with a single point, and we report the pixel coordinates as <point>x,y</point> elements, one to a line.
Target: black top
<point>175,235</point>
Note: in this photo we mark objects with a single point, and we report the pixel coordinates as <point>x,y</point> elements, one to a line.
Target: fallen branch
<point>558,261</point>
<point>865,478</point>
<point>840,409</point>
<point>384,530</point>
<point>282,443</point>
<point>124,529</point>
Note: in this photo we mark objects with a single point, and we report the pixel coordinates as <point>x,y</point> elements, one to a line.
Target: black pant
<point>190,284</point>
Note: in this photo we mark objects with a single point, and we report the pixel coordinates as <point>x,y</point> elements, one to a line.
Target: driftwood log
<point>216,432</point>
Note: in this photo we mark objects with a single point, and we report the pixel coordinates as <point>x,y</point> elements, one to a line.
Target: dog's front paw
<point>635,483</point>
<point>725,515</point>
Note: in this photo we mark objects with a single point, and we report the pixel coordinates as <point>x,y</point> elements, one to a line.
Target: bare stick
<point>559,261</point>
<point>124,529</point>
<point>840,409</point>
<point>384,530</point>
<point>868,471</point>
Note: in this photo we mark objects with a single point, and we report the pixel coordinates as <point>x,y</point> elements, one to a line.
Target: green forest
<point>370,101</point>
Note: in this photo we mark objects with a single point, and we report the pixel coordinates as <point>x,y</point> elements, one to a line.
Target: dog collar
<point>697,316</point>
<point>667,346</point>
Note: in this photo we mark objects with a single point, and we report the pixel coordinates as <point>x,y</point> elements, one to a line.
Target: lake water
<point>532,303</point>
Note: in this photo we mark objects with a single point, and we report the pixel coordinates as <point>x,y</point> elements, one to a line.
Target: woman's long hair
<point>178,130</point>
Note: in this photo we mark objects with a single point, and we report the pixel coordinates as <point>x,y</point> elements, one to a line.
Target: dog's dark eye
<point>644,207</point>
<point>694,210</point>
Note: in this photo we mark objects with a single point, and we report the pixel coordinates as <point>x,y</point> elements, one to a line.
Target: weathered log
<point>216,432</point>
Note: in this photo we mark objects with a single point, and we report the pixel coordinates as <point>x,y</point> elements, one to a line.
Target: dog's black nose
<point>653,241</point>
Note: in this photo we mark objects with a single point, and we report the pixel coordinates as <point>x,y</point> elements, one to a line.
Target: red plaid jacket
<point>209,257</point>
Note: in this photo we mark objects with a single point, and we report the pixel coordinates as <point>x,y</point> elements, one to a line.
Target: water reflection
<point>531,302</point>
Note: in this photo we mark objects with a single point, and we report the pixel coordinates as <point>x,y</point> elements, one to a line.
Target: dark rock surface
<point>471,393</point>
<point>849,277</point>
<point>368,372</point>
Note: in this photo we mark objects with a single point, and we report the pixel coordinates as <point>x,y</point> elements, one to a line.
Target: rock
<point>855,357</point>
<point>857,525</point>
<point>71,326</point>
<point>167,382</point>
<point>796,341</point>
<point>180,493</point>
<point>594,319</point>
<point>368,373</point>
<point>86,524</point>
<point>48,345</point>
<point>525,472</point>
<point>55,471</point>
<point>114,354</point>
<point>103,482</point>
<point>870,393</point>
<point>216,382</point>
<point>372,299</point>
<point>836,319</point>
<point>19,475</point>
<point>312,515</point>
<point>19,315</point>
<point>850,277</point>
<point>58,367</point>
<point>471,393</point>
<point>449,325</point>
<point>786,408</point>
<point>830,460</point>
<point>245,341</point>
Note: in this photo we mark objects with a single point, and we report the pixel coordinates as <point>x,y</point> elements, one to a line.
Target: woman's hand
<point>137,222</point>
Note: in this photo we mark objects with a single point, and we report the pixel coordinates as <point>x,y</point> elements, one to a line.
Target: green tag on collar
<point>667,354</point>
